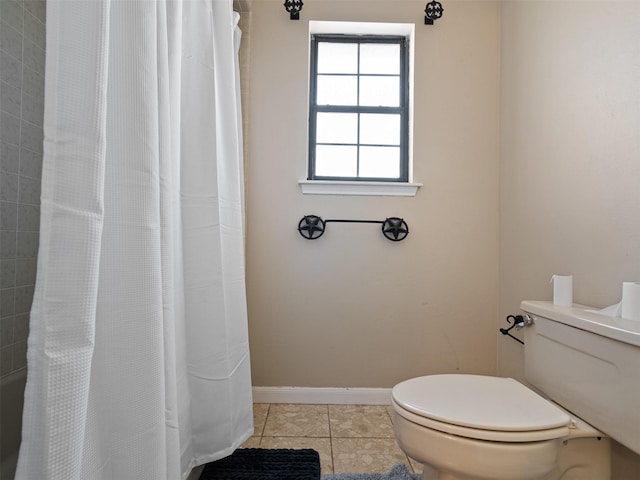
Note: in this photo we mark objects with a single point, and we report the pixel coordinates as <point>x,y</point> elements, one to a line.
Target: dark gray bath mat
<point>265,464</point>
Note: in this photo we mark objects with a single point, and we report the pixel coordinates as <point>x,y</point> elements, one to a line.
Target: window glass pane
<point>337,127</point>
<point>379,58</point>
<point>337,57</point>
<point>380,129</point>
<point>336,161</point>
<point>350,77</point>
<point>380,162</point>
<point>337,90</point>
<point>380,91</point>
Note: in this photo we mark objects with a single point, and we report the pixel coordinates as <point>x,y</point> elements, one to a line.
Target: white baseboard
<point>321,396</point>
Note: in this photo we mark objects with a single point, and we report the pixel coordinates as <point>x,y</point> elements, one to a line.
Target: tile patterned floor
<point>349,438</point>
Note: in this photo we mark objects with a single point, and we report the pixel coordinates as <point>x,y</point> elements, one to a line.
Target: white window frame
<point>359,187</point>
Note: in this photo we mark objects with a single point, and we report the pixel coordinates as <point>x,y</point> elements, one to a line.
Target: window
<point>359,108</point>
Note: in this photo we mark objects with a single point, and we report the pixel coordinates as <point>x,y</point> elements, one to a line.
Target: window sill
<point>326,187</point>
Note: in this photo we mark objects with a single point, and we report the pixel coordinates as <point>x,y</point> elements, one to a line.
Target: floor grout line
<point>376,419</point>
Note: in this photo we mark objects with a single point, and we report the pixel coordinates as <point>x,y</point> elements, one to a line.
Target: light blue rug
<point>398,472</point>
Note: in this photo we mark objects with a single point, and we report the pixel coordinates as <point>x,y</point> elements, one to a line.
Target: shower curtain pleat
<point>138,358</point>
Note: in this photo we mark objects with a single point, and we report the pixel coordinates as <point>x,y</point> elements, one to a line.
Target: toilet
<point>584,374</point>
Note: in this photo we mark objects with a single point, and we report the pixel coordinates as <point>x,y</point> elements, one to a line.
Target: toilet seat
<point>480,407</point>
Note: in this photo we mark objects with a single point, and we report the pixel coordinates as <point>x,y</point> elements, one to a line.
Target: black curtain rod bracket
<point>293,8</point>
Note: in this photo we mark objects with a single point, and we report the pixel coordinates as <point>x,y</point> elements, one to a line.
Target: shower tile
<point>21,328</point>
<point>19,355</point>
<point>366,455</point>
<point>24,297</point>
<point>10,157</point>
<point>11,40</point>
<point>6,360</point>
<point>34,30</point>
<point>28,218</point>
<point>11,12</point>
<point>33,56</point>
<point>321,445</point>
<point>30,164</point>
<point>31,137</point>
<point>9,187</point>
<point>7,302</point>
<point>27,245</point>
<point>29,190</point>
<point>370,421</point>
<point>8,215</point>
<point>22,42</point>
<point>37,8</point>
<point>6,331</point>
<point>10,128</point>
<point>33,109</point>
<point>10,70</point>
<point>10,99</point>
<point>32,82</point>
<point>7,273</point>
<point>25,271</point>
<point>285,420</point>
<point>7,245</point>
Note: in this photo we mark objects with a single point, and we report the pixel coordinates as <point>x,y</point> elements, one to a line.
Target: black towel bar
<point>312,227</point>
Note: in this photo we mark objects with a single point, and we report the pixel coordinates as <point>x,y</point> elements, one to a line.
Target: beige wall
<point>353,309</point>
<point>570,159</point>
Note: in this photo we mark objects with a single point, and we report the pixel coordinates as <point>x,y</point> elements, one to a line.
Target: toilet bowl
<point>471,427</point>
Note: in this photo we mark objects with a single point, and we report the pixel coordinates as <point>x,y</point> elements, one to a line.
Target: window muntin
<point>358,125</point>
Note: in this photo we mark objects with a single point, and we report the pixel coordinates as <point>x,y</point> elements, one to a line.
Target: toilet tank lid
<point>477,401</point>
<point>588,319</point>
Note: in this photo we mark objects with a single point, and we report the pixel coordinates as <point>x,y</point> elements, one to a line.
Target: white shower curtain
<point>138,352</point>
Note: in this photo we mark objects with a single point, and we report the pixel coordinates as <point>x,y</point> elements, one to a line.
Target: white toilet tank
<point>588,363</point>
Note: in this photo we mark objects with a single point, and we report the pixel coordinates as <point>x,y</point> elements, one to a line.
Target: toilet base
<point>447,476</point>
<point>449,457</point>
<point>578,459</point>
<point>431,474</point>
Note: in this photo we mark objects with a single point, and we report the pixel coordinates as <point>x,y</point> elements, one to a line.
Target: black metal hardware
<point>518,322</point>
<point>312,227</point>
<point>293,7</point>
<point>433,11</point>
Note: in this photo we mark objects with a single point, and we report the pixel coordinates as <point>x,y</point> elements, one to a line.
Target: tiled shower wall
<point>22,50</point>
